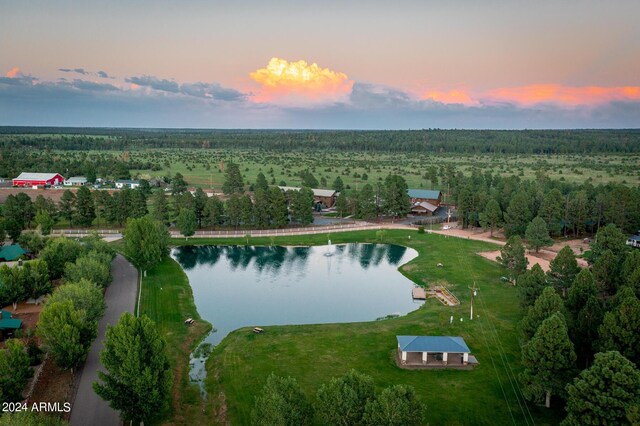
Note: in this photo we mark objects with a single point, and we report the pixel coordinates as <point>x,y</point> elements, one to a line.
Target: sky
<point>333,64</point>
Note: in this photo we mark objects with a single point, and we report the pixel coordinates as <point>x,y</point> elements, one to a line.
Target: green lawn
<point>167,299</point>
<point>312,354</point>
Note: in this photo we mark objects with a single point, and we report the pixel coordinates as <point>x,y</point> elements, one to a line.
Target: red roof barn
<point>33,179</point>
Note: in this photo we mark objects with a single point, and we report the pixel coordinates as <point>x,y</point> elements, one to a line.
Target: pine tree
<point>581,290</point>
<point>606,273</point>
<point>233,183</point>
<point>301,203</point>
<point>563,270</point>
<point>548,360</point>
<point>619,329</point>
<point>213,214</point>
<point>396,199</point>
<point>139,377</point>
<point>67,205</point>
<point>261,183</point>
<point>178,184</point>
<point>366,203</point>
<point>337,184</point>
<point>552,211</point>
<point>608,238</point>
<point>199,202</point>
<point>492,216</point>
<point>85,208</point>
<point>545,306</point>
<point>160,206</point>
<point>537,234</point>
<point>513,258</point>
<point>341,205</point>
<point>278,209</point>
<point>518,215</point>
<point>530,285</point>
<point>603,393</point>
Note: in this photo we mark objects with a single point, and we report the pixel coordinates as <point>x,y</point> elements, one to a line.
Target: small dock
<point>419,293</point>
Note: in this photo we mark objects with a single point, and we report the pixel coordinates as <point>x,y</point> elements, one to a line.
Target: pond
<point>240,286</point>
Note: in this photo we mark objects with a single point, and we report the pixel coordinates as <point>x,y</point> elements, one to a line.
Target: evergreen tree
<point>139,377</point>
<point>395,406</point>
<point>552,211</point>
<point>14,371</point>
<point>513,258</point>
<point>261,209</point>
<point>278,210</point>
<point>563,270</point>
<point>342,401</point>
<point>492,216</point>
<point>537,234</point>
<point>85,208</point>
<point>518,215</point>
<point>233,183</point>
<point>261,183</point>
<point>619,329</point>
<point>199,202</point>
<point>578,213</point>
<point>545,306</point>
<point>138,206</point>
<point>608,238</point>
<point>337,184</point>
<point>308,179</point>
<point>606,273</point>
<point>341,205</point>
<point>67,205</point>
<point>213,213</point>
<point>366,203</point>
<point>160,206</point>
<point>530,285</point>
<point>584,330</point>
<point>581,290</point>
<point>603,393</point>
<point>283,403</point>
<point>178,184</point>
<point>549,361</point>
<point>145,242</point>
<point>246,211</point>
<point>233,210</point>
<point>301,202</point>
<point>396,199</point>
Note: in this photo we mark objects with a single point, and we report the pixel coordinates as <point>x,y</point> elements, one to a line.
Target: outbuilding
<point>430,196</point>
<point>634,240</point>
<point>122,183</point>
<point>11,252</point>
<point>423,208</point>
<point>434,351</point>
<point>38,179</point>
<point>75,181</point>
<point>8,324</point>
<point>323,198</point>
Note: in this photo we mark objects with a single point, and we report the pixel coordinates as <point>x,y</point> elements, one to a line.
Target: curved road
<point>89,408</point>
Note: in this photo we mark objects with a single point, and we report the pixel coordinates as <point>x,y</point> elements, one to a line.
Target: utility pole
<point>474,292</point>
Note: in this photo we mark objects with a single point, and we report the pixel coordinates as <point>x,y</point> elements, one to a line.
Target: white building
<point>75,181</point>
<point>121,183</point>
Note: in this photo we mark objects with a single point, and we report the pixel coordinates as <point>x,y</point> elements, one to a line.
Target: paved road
<point>89,408</point>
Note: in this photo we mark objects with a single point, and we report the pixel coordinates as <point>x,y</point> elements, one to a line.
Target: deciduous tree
<point>342,401</point>
<point>282,402</point>
<point>139,378</point>
<point>14,371</point>
<point>146,242</point>
<point>395,406</point>
<point>65,332</point>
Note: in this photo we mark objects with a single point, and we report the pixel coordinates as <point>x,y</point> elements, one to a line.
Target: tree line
<point>425,140</point>
<point>347,400</point>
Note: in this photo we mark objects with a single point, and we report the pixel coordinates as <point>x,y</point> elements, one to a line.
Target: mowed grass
<point>167,299</point>
<point>489,394</point>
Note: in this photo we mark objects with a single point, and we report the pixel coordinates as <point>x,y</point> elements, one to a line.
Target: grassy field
<point>239,366</point>
<point>167,299</point>
<point>203,167</point>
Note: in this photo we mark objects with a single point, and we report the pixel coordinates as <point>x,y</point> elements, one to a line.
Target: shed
<point>35,179</point>
<point>434,351</point>
<point>12,252</point>
<point>8,323</point>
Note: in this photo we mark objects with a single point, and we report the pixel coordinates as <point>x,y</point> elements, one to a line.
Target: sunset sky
<point>330,64</point>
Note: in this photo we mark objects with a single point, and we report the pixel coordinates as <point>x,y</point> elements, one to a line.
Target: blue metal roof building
<point>450,344</point>
<point>434,352</point>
